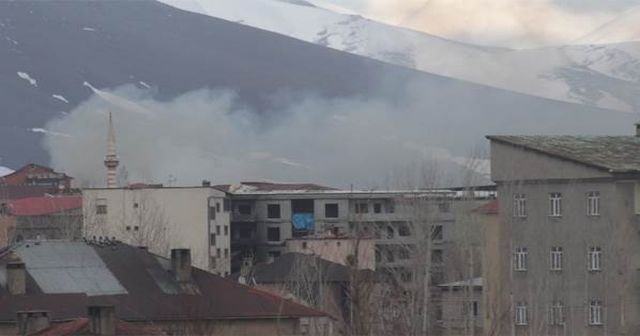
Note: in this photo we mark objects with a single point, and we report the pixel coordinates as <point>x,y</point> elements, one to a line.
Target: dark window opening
<point>226,205</point>
<point>404,254</point>
<point>135,205</point>
<point>244,209</point>
<point>217,206</point>
<point>437,256</point>
<point>273,211</point>
<point>101,209</point>
<point>273,234</point>
<point>377,208</point>
<point>436,232</point>
<point>304,245</point>
<point>213,239</point>
<point>302,206</point>
<point>212,213</point>
<point>226,230</point>
<point>331,210</point>
<point>389,232</point>
<point>403,230</point>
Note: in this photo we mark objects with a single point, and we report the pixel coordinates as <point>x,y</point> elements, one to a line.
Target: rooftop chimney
<point>181,264</point>
<point>102,320</point>
<point>16,277</point>
<point>32,321</point>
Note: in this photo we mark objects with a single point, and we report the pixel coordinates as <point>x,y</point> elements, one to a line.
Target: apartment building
<point>164,218</point>
<point>567,236</point>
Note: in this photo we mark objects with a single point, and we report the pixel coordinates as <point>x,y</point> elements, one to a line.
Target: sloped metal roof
<point>70,267</point>
<point>616,154</point>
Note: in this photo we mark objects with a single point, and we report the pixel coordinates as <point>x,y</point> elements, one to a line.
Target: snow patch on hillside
<point>60,98</point>
<point>28,78</point>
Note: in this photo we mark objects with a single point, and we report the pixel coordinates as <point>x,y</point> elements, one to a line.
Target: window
<point>136,205</point>
<point>403,230</point>
<point>521,259</point>
<point>217,206</point>
<point>389,232</point>
<point>226,230</point>
<point>556,258</point>
<point>595,312</point>
<point>218,230</point>
<point>226,205</point>
<point>304,245</point>
<point>226,253</point>
<point>218,252</point>
<point>244,209</point>
<point>519,205</point>
<point>406,276</point>
<point>556,313</point>
<point>213,239</point>
<point>593,203</point>
<point>437,257</point>
<point>404,254</point>
<point>555,204</point>
<point>273,210</point>
<point>362,208</point>
<point>594,259</point>
<point>377,208</point>
<point>273,234</point>
<point>436,232</point>
<point>101,206</point>
<point>390,256</point>
<point>331,210</point>
<point>522,316</point>
<point>472,308</point>
<point>128,228</point>
<point>136,228</point>
<point>212,213</point>
<point>274,254</point>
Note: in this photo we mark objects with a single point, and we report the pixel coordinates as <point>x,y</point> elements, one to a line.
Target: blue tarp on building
<point>303,222</point>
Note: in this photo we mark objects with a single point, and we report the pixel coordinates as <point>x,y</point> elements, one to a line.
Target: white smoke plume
<point>210,135</point>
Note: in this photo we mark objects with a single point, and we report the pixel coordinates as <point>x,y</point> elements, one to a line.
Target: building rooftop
<point>65,277</point>
<point>294,266</point>
<point>615,154</point>
<point>81,327</point>
<point>45,205</point>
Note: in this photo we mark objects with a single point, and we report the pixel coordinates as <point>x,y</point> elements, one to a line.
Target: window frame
<point>273,229</point>
<point>272,213</point>
<point>594,259</point>
<point>595,313</point>
<point>520,205</point>
<point>555,204</point>
<point>556,314</point>
<point>593,204</point>
<point>556,259</point>
<point>521,256</point>
<point>521,314</point>
<point>327,212</point>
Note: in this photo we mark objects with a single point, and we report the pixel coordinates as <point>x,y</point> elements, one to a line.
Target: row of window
<point>556,311</point>
<point>556,260</point>
<point>592,204</point>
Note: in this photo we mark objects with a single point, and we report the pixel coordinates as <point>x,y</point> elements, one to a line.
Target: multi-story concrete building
<point>568,243</point>
<point>164,218</point>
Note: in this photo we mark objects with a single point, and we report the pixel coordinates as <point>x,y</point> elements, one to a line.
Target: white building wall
<point>161,219</point>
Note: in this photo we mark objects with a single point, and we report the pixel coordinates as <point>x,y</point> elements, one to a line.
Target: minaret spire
<point>111,159</point>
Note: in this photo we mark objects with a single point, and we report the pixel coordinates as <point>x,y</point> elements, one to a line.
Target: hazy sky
<point>508,23</point>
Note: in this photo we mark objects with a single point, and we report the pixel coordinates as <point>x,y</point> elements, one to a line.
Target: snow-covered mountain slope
<point>603,76</point>
<point>624,28</point>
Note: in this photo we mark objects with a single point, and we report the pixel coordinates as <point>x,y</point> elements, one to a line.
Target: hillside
<point>168,52</point>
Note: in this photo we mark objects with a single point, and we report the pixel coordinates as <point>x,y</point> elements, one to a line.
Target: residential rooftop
<point>65,277</point>
<point>615,154</point>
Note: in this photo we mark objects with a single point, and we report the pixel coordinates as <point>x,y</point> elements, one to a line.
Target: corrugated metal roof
<point>616,154</point>
<point>72,267</point>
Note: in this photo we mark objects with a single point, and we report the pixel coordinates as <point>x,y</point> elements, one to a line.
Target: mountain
<point>574,74</point>
<point>168,52</point>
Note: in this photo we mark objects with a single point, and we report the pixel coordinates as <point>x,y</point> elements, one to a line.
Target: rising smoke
<point>209,134</point>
